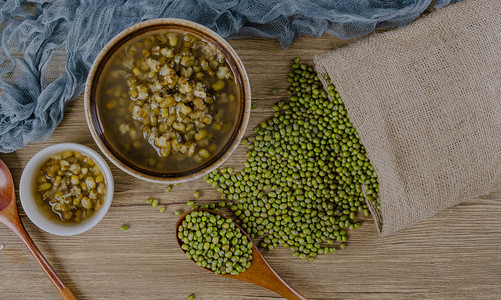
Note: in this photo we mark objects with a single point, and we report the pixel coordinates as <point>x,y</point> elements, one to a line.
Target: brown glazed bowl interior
<point>92,108</point>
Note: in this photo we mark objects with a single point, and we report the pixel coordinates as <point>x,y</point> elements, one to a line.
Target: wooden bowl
<point>92,107</point>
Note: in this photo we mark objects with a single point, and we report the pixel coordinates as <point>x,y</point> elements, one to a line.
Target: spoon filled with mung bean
<point>219,245</point>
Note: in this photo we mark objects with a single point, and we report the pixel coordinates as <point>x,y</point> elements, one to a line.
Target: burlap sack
<point>426,102</point>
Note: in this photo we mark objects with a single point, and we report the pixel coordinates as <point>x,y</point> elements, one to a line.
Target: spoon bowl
<point>259,272</point>
<point>10,217</point>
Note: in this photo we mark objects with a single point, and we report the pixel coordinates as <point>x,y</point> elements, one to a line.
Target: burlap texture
<point>426,102</point>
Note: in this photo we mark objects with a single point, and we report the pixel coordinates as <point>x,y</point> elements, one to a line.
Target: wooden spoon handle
<point>18,229</point>
<point>67,294</point>
<point>271,280</point>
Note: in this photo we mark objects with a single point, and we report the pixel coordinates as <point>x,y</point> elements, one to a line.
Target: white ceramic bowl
<point>28,202</point>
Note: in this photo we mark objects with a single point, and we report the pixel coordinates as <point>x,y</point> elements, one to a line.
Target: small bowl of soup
<point>167,100</point>
<point>66,189</point>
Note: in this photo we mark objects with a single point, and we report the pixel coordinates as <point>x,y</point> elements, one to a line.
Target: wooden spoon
<point>10,217</point>
<point>260,272</point>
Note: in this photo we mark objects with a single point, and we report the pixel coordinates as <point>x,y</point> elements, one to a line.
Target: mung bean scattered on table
<point>306,173</point>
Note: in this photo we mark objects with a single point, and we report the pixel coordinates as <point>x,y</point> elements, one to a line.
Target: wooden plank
<point>456,254</point>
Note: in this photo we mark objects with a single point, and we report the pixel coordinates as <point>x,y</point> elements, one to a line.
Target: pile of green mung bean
<point>215,243</point>
<point>306,172</point>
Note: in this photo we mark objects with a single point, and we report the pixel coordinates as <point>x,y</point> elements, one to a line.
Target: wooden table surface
<point>455,255</point>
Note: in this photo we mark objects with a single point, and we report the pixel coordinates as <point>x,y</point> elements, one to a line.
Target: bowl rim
<point>131,33</point>
<point>28,202</point>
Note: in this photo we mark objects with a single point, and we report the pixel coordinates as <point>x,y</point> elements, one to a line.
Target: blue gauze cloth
<point>33,96</point>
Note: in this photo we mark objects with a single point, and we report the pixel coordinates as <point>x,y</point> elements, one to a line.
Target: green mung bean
<point>215,243</point>
<point>306,172</point>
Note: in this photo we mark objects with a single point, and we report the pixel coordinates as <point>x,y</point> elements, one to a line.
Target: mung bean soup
<point>69,187</point>
<point>169,101</point>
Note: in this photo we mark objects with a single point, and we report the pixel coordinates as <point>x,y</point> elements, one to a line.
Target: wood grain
<point>456,254</point>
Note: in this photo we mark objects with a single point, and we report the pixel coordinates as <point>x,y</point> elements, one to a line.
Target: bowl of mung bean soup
<point>66,189</point>
<point>167,100</point>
